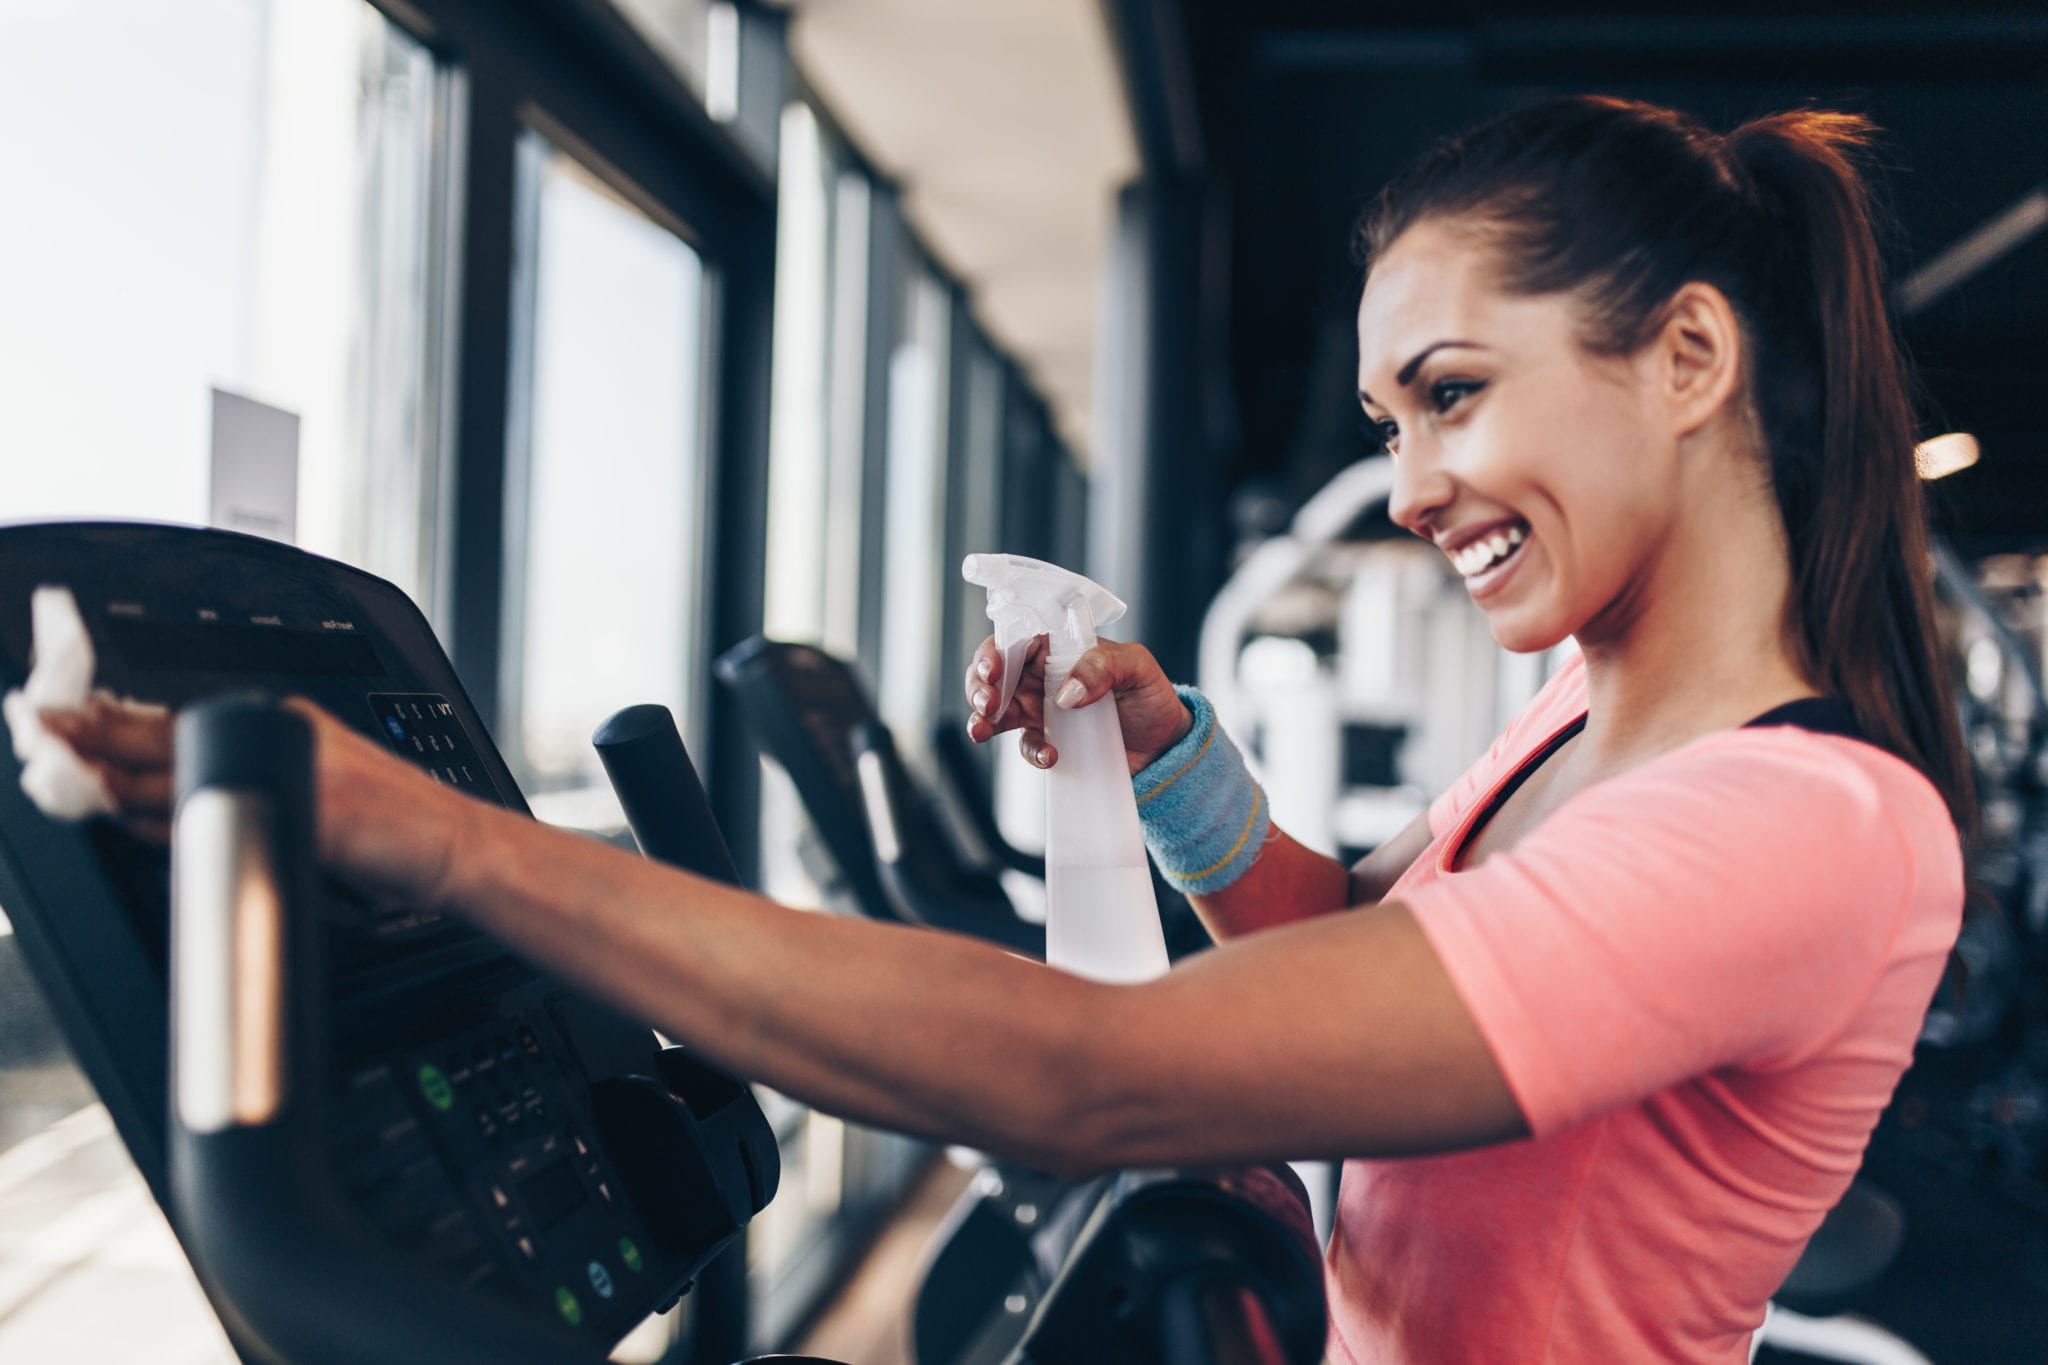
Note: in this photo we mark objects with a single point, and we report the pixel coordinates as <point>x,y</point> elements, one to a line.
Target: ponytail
<point>1839,425</point>
<point>1622,203</point>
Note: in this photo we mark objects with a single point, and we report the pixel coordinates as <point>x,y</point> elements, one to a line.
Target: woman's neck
<point>1702,643</point>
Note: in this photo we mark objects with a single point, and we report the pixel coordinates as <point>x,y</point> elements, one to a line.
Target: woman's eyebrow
<point>1415,363</point>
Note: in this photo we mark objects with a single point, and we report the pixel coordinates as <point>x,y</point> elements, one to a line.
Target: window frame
<point>579,73</point>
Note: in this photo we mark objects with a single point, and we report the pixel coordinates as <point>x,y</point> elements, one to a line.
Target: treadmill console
<point>509,1136</point>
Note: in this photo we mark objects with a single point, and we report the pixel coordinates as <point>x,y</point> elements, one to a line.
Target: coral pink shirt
<point>1702,980</point>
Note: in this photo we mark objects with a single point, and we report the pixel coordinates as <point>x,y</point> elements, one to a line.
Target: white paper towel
<point>60,679</point>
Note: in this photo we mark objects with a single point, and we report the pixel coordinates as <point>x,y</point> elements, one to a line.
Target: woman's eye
<point>1448,393</point>
<point>1380,433</point>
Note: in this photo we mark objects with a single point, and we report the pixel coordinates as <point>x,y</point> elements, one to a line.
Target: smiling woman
<point>1639,388</point>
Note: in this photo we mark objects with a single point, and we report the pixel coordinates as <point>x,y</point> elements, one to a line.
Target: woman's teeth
<point>1482,555</point>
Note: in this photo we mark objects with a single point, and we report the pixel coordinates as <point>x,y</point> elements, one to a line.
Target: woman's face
<point>1539,469</point>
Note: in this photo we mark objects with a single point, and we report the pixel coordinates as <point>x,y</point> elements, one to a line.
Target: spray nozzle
<point>1028,598</point>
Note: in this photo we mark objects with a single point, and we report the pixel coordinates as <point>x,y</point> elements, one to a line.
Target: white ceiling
<point>1004,124</point>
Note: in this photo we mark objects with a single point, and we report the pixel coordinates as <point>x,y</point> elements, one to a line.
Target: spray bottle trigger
<point>1014,654</point>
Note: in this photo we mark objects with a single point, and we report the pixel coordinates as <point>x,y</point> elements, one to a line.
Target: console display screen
<point>178,647</point>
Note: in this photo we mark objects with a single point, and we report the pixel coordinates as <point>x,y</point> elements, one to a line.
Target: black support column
<point>1155,500</point>
<point>1156,522</point>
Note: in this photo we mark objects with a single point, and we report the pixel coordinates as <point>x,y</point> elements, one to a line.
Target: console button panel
<point>426,728</point>
<point>536,1211</point>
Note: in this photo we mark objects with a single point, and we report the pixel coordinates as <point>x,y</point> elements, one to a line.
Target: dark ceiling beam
<point>1159,85</point>
<point>1931,49</point>
<point>1977,252</point>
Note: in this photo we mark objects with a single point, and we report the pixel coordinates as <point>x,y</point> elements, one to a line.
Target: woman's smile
<point>1487,566</point>
<point>1472,555</point>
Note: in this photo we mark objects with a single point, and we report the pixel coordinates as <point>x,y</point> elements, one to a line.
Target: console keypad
<point>424,727</point>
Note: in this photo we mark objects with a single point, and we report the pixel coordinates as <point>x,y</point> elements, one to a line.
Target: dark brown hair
<point>1620,204</point>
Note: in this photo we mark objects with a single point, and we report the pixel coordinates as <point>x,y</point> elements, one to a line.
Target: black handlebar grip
<point>659,791</point>
<point>294,1272</point>
<point>246,742</point>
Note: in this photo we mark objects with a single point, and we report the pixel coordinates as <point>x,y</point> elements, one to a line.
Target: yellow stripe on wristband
<point>1258,801</point>
<point>1207,740</point>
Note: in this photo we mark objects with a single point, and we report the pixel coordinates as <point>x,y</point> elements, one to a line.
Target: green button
<point>630,1254</point>
<point>436,1088</point>
<point>566,1305</point>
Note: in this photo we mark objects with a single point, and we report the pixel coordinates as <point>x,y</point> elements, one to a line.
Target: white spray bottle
<point>1101,918</point>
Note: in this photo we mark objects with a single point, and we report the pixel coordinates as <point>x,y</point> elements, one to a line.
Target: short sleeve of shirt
<point>1559,700</point>
<point>1728,904</point>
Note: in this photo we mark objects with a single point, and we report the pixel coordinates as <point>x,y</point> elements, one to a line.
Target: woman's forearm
<point>841,1014</point>
<point>1289,882</point>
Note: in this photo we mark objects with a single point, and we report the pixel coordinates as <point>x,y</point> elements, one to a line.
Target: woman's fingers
<point>984,673</point>
<point>1036,751</point>
<point>141,793</point>
<point>128,746</point>
<point>1110,666</point>
<point>984,687</point>
<point>983,669</point>
<point>1092,677</point>
<point>123,734</point>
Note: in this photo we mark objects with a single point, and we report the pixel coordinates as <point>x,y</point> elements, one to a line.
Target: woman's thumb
<point>1091,678</point>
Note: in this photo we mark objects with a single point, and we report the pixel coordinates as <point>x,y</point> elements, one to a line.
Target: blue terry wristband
<point>1205,817</point>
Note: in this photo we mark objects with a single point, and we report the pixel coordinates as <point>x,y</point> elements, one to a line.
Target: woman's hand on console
<point>383,826</point>
<point>128,745</point>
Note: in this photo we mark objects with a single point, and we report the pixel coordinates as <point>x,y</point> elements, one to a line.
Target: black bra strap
<point>1824,715</point>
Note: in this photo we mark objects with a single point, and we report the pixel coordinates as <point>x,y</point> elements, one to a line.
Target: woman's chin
<point>1520,631</point>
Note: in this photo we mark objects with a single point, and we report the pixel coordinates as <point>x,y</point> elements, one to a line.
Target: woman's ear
<point>1699,356</point>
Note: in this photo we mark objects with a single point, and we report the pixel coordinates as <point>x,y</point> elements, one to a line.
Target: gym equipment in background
<point>887,849</point>
<point>964,786</point>
<point>876,841</point>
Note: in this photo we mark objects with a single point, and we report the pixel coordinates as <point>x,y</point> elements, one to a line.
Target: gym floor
<point>867,1322</point>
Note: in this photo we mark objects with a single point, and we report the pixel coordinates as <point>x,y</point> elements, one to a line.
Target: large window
<point>815,511</point>
<point>604,562</point>
<point>914,526</point>
<point>224,195</point>
<point>975,522</point>
<point>823,529</point>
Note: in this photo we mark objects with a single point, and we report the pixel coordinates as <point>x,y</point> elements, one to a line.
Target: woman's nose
<point>1421,490</point>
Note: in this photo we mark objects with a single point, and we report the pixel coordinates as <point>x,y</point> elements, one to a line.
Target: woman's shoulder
<point>1804,763</point>
<point>1834,801</point>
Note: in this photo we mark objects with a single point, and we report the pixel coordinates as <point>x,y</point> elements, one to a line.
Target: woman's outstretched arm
<point>1338,1036</point>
